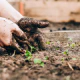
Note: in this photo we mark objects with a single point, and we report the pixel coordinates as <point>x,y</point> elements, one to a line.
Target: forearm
<point>7,11</point>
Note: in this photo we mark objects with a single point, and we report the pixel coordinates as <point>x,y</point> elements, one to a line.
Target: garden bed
<point>60,60</point>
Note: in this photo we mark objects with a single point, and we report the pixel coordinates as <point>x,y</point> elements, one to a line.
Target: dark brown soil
<point>58,66</point>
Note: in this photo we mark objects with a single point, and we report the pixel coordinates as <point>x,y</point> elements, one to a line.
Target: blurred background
<point>59,11</point>
<point>53,10</point>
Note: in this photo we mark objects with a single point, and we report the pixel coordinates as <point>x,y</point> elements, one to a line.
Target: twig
<point>70,66</point>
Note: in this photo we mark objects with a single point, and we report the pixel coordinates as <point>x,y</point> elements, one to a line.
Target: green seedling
<point>72,45</point>
<point>62,59</point>
<point>57,48</point>
<point>42,64</point>
<point>39,61</point>
<point>48,42</point>
<point>70,39</point>
<point>46,58</point>
<point>28,55</point>
<point>29,58</point>
<point>68,44</point>
<point>32,48</point>
<point>74,59</point>
<point>66,52</point>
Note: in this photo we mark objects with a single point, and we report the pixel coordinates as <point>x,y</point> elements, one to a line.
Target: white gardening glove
<point>7,28</point>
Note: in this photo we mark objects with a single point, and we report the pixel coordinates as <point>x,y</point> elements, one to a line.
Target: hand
<point>7,30</point>
<point>30,27</point>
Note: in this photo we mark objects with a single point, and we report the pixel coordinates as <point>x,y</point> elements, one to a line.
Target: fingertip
<point>42,24</point>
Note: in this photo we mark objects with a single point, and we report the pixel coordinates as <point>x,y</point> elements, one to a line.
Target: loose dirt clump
<point>61,61</point>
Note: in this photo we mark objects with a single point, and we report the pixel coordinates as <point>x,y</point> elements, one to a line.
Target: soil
<point>63,26</point>
<point>62,63</point>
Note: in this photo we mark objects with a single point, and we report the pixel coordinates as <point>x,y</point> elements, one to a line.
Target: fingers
<point>19,46</point>
<point>26,25</point>
<point>16,46</point>
<point>37,41</point>
<point>25,22</point>
<point>40,42</point>
<point>40,24</point>
<point>25,44</point>
<point>32,41</point>
<point>16,30</point>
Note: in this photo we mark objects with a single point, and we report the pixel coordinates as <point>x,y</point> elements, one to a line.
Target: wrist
<point>8,12</point>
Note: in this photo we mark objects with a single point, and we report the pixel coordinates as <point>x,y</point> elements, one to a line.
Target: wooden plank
<point>55,11</point>
<point>62,35</point>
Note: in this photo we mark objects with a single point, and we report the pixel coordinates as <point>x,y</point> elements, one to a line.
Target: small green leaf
<point>68,44</point>
<point>48,42</point>
<point>32,48</point>
<point>65,52</point>
<point>28,58</point>
<point>73,45</point>
<point>62,59</point>
<point>46,58</point>
<point>70,39</point>
<point>37,61</point>
<point>28,53</point>
<point>42,64</point>
<point>57,48</point>
<point>74,59</point>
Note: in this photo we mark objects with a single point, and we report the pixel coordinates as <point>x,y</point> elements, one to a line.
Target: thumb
<point>17,31</point>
